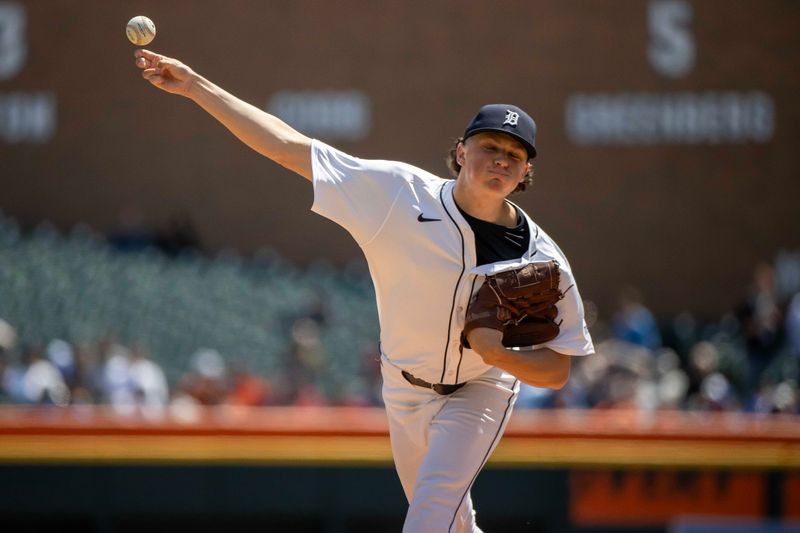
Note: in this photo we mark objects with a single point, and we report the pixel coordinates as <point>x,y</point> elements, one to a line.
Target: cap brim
<point>528,146</point>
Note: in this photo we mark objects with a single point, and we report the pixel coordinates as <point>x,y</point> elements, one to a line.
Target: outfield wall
<point>329,469</point>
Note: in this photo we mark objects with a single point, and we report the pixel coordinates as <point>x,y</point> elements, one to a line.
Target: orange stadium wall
<point>329,470</point>
<point>668,130</point>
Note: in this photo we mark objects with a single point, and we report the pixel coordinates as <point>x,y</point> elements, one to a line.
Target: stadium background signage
<point>709,117</point>
<point>25,116</point>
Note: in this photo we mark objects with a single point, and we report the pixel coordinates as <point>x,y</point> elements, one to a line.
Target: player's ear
<point>528,167</point>
<point>460,153</point>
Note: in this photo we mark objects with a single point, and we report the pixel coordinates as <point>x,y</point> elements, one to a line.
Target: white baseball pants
<point>440,443</point>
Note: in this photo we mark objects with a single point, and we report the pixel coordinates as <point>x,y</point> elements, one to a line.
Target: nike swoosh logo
<point>421,218</point>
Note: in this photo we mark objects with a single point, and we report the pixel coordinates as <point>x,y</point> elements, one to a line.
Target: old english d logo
<point>511,118</point>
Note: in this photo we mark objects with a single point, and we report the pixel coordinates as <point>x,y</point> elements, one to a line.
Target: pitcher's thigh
<point>461,438</point>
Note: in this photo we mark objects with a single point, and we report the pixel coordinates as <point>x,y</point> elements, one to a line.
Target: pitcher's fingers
<point>149,58</point>
<point>149,74</point>
<point>141,62</point>
<point>147,54</point>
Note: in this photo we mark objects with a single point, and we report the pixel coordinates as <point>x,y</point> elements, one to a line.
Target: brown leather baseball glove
<point>521,303</point>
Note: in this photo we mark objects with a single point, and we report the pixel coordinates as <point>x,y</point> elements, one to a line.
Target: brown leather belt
<point>441,388</point>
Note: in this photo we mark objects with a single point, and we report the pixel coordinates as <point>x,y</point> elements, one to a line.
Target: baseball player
<point>436,249</point>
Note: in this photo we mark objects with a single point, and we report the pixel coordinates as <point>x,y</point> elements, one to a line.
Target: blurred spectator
<point>787,273</point>
<point>206,382</point>
<point>128,379</point>
<point>672,380</point>
<point>8,336</point>
<point>42,383</point>
<point>793,325</point>
<point>248,388</point>
<point>628,380</point>
<point>10,375</point>
<point>683,332</point>
<point>307,362</point>
<point>709,388</point>
<point>618,375</point>
<point>148,383</point>
<point>633,322</point>
<point>780,398</point>
<point>62,355</point>
<point>10,379</point>
<point>116,384</point>
<point>761,323</point>
<point>5,368</point>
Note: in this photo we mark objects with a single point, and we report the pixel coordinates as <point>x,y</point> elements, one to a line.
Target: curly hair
<point>454,167</point>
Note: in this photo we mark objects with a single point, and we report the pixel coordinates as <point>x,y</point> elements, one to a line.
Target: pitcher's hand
<point>165,73</point>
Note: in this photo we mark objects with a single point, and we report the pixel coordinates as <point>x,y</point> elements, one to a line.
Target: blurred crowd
<point>127,377</point>
<point>748,359</point>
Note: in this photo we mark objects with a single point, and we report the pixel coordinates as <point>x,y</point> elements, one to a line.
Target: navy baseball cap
<point>508,119</point>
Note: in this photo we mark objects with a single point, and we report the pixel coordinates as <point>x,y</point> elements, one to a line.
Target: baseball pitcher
<point>472,295</point>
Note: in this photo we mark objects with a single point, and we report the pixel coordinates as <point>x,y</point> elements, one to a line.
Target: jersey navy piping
<point>461,346</point>
<point>458,282</point>
<point>486,456</point>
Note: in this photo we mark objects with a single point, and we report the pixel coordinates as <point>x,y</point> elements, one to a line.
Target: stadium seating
<point>79,288</point>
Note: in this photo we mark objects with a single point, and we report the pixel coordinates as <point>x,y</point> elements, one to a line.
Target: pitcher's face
<point>492,163</point>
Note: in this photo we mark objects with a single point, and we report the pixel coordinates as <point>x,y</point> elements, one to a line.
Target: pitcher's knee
<point>437,509</point>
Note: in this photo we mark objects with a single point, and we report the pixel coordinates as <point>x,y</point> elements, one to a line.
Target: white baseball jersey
<point>422,259</point>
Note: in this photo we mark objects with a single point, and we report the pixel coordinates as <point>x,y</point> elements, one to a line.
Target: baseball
<point>140,30</point>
